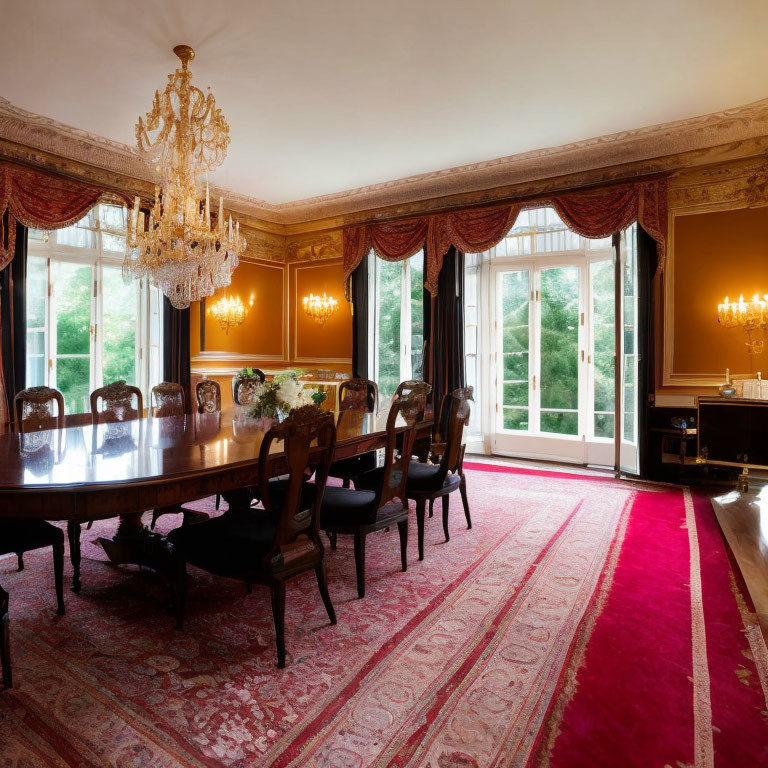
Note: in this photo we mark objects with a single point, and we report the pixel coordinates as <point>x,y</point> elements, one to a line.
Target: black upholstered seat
<point>20,536</point>
<point>427,482</point>
<point>344,506</point>
<point>378,500</point>
<point>228,544</point>
<point>427,477</point>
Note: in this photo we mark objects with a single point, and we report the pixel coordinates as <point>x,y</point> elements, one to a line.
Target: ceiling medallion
<point>183,250</point>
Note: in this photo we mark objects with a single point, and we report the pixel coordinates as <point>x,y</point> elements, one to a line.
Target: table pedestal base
<point>127,545</point>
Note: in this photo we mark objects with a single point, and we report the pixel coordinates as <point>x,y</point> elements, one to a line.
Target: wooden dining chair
<point>168,399</point>
<point>110,404</point>
<point>378,500</point>
<point>114,402</point>
<point>34,410</point>
<point>244,387</point>
<point>208,396</point>
<point>427,482</point>
<point>273,544</point>
<point>360,395</point>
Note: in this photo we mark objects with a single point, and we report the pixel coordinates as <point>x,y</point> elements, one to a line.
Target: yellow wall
<point>276,333</point>
<point>716,254</point>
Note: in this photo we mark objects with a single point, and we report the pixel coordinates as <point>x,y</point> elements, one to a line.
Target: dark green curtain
<point>444,329</point>
<point>176,353</point>
<point>647,262</point>
<point>13,318</point>
<point>360,321</point>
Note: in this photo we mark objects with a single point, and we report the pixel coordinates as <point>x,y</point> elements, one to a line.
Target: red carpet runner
<point>581,622</point>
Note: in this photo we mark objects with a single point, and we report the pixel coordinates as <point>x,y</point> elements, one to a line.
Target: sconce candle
<point>749,315</point>
<point>320,308</point>
<point>230,312</point>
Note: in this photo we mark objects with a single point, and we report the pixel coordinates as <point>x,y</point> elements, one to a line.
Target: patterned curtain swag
<point>591,213</point>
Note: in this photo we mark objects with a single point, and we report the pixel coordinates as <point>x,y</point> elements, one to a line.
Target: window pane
<point>516,418</point>
<point>112,243</point>
<point>559,348</point>
<point>417,314</point>
<point>35,358</point>
<point>515,306</point>
<point>72,317</point>
<point>112,217</point>
<point>73,380</point>
<point>37,289</point>
<point>119,326</point>
<point>388,290</point>
<point>604,425</point>
<point>603,334</point>
<point>630,325</point>
<point>80,235</point>
<point>72,284</point>
<point>559,422</point>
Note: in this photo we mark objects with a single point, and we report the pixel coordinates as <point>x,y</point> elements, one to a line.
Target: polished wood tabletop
<point>95,471</point>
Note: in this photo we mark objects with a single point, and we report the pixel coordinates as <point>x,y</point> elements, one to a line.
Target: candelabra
<point>320,308</point>
<point>749,315</point>
<point>230,312</point>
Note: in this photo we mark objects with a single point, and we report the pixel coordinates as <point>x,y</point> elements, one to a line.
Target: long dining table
<point>120,470</point>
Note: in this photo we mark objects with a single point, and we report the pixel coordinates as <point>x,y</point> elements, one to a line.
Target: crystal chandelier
<point>749,315</point>
<point>320,308</point>
<point>178,246</point>
<point>230,312</point>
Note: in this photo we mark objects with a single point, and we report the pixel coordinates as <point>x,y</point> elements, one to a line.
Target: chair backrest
<point>303,427</point>
<point>397,453</point>
<point>358,394</point>
<point>34,409</point>
<point>168,399</point>
<point>458,418</point>
<point>420,390</point>
<point>116,403</point>
<point>244,387</point>
<point>208,396</point>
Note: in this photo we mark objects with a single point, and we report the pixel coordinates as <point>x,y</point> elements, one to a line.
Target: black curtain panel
<point>360,339</point>
<point>176,354</point>
<point>13,316</point>
<point>444,329</point>
<point>647,262</point>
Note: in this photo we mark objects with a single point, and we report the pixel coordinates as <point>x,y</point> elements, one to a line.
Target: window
<point>397,288</point>
<point>539,341</point>
<point>86,326</point>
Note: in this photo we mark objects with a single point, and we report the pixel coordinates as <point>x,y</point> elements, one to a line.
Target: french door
<point>554,340</point>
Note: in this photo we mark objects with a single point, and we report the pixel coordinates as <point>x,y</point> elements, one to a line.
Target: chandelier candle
<point>178,246</point>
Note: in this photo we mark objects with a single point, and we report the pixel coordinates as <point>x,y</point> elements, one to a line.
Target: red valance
<point>592,213</point>
<point>39,200</point>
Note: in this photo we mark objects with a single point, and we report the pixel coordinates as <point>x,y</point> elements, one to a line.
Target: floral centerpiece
<point>277,397</point>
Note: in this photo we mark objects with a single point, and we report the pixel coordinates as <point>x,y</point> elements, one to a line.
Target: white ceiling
<point>329,95</point>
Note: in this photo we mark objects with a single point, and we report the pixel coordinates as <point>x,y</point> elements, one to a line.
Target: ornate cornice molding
<point>737,132</point>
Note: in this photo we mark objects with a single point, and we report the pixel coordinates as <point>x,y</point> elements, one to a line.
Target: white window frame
<point>148,338</point>
<point>584,447</point>
<point>374,301</point>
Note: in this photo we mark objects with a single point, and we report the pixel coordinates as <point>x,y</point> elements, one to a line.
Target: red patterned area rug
<point>580,622</point>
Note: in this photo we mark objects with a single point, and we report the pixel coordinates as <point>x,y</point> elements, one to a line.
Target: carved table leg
<point>5,643</point>
<point>73,534</point>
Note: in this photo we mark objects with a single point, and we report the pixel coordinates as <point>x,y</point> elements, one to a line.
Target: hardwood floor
<point>743,517</point>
